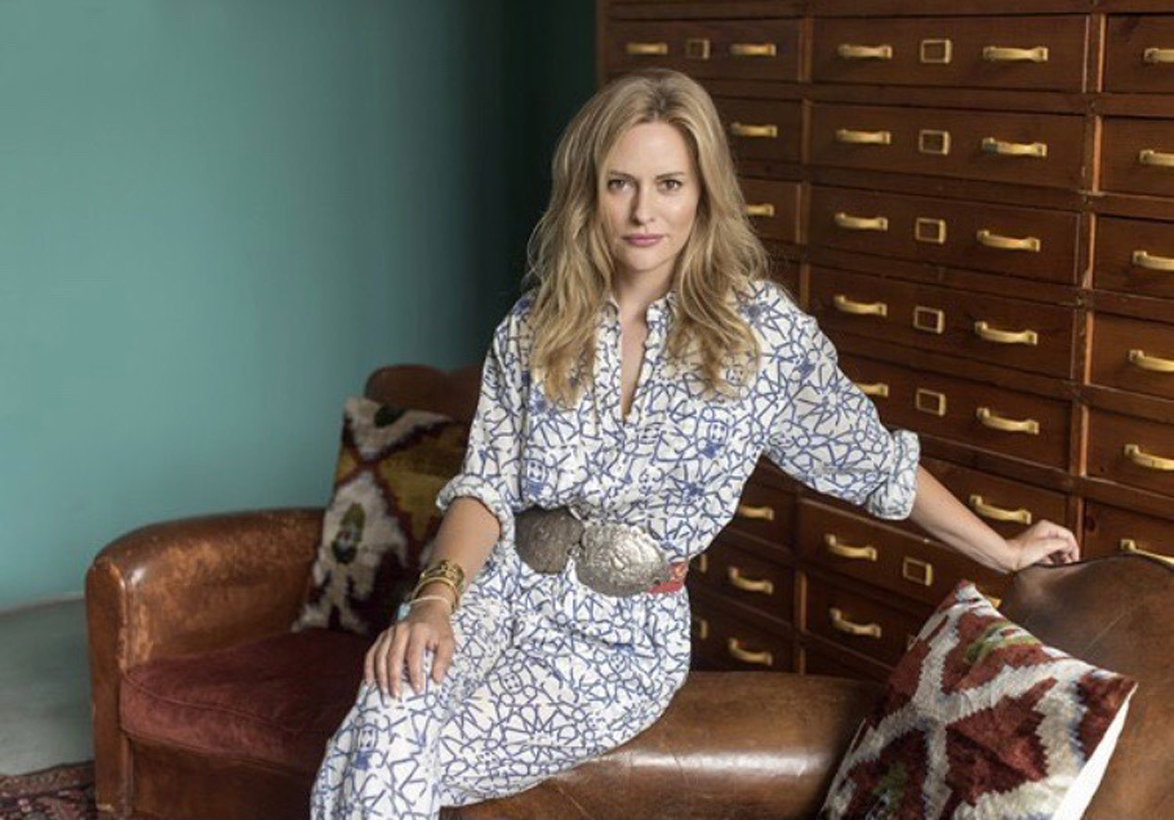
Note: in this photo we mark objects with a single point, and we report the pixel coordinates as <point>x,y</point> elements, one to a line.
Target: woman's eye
<point>615,184</point>
<point>673,184</point>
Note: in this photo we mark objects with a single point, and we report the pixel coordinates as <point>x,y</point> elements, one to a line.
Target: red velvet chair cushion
<point>275,701</point>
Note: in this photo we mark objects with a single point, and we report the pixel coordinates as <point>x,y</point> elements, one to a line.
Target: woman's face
<point>649,193</point>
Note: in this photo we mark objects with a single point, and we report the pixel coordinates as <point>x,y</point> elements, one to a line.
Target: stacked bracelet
<point>444,572</point>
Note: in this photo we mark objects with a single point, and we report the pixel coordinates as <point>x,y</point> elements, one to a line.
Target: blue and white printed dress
<point>548,673</point>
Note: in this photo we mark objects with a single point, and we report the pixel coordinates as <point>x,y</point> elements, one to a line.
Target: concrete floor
<point>44,687</point>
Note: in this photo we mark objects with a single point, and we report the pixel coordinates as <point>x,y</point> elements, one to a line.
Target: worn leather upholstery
<point>205,707</point>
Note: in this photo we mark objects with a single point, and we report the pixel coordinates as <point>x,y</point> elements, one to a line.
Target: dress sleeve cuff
<point>484,491</point>
<point>894,498</point>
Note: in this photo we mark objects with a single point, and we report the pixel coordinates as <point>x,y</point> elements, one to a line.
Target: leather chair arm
<point>731,744</point>
<point>186,586</point>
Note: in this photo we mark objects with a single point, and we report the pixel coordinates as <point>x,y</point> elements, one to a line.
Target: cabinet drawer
<point>742,576</point>
<point>1025,335</point>
<point>1026,149</point>
<point>1131,451</point>
<point>1139,53</point>
<point>1109,530</point>
<point>967,52</point>
<point>823,658</point>
<point>769,130</point>
<point>765,513</point>
<point>713,49</point>
<point>1007,506</point>
<point>734,643</point>
<point>1029,242</point>
<point>860,623</point>
<point>973,414</point>
<point>886,557</point>
<point>1137,156</point>
<point>1132,354</point>
<point>1135,256</point>
<point>773,207</point>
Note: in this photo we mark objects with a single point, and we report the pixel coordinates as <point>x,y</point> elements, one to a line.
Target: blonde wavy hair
<point>571,265</point>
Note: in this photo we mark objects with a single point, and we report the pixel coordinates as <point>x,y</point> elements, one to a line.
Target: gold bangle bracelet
<point>446,568</point>
<point>440,579</point>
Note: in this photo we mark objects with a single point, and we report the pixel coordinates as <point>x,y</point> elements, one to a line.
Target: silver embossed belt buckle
<point>615,559</point>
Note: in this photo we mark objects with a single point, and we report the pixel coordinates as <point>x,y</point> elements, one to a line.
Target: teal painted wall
<point>217,216</point>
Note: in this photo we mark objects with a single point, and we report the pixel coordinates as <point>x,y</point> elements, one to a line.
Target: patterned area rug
<point>60,793</point>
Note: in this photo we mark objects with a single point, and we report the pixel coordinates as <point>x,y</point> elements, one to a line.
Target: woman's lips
<point>643,241</point>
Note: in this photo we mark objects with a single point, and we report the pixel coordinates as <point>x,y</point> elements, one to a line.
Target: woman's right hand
<point>427,626</point>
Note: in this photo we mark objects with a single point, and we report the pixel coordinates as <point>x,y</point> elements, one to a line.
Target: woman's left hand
<point>1043,543</point>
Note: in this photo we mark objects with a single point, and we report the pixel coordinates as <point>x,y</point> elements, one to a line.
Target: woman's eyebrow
<point>665,175</point>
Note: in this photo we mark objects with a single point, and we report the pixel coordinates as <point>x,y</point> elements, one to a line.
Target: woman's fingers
<point>442,658</point>
<point>415,658</point>
<point>394,662</point>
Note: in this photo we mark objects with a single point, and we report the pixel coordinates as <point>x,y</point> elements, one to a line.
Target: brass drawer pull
<point>646,49</point>
<point>760,513</point>
<point>763,658</point>
<point>917,571</point>
<point>1154,55</point>
<point>929,401</point>
<point>702,627</point>
<point>702,563</point>
<point>876,389</point>
<point>1003,54</point>
<point>863,137</point>
<point>846,305</point>
<point>753,50</point>
<point>764,209</point>
<point>1159,159</point>
<point>865,553</point>
<point>1020,516</point>
<point>1152,363</point>
<point>1145,259</point>
<point>1005,337</point>
<point>1014,149</point>
<point>1143,459</point>
<point>1129,545</point>
<point>861,223</point>
<point>849,51</point>
<point>739,129</point>
<point>842,624</point>
<point>1008,243</point>
<point>987,418</point>
<point>736,579</point>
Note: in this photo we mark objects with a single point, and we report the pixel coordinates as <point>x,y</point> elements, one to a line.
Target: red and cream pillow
<point>383,516</point>
<point>982,720</point>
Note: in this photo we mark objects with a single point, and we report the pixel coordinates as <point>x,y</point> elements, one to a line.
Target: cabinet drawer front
<point>858,622</point>
<point>1029,242</point>
<point>1027,149</point>
<point>773,207</point>
<point>762,129</point>
<point>967,52</point>
<point>715,49</point>
<point>1110,530</point>
<point>1135,256</point>
<point>1137,156</point>
<point>765,514</point>
<point>951,408</point>
<point>1026,335</point>
<point>1139,53</point>
<point>1133,354</point>
<point>1005,505</point>
<point>884,556</point>
<point>734,643</point>
<point>1131,451</point>
<point>739,575</point>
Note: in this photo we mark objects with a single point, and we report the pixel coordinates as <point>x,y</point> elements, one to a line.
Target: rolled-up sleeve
<point>828,435</point>
<point>490,471</point>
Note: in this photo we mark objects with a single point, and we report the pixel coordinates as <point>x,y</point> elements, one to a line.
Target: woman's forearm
<point>466,535</point>
<point>943,516</point>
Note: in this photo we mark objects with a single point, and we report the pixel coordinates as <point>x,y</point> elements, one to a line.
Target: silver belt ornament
<point>615,559</point>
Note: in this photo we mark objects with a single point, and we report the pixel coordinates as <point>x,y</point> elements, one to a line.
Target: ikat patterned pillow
<point>382,517</point>
<point>981,720</point>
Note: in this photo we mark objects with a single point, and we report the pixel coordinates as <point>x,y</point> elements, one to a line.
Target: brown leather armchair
<point>206,706</point>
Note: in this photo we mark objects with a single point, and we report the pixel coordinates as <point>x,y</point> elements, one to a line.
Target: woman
<point>632,391</point>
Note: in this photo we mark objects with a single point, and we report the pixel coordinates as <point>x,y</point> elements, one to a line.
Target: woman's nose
<point>641,206</point>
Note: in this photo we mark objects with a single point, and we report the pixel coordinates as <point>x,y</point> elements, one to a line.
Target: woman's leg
<point>381,761</point>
